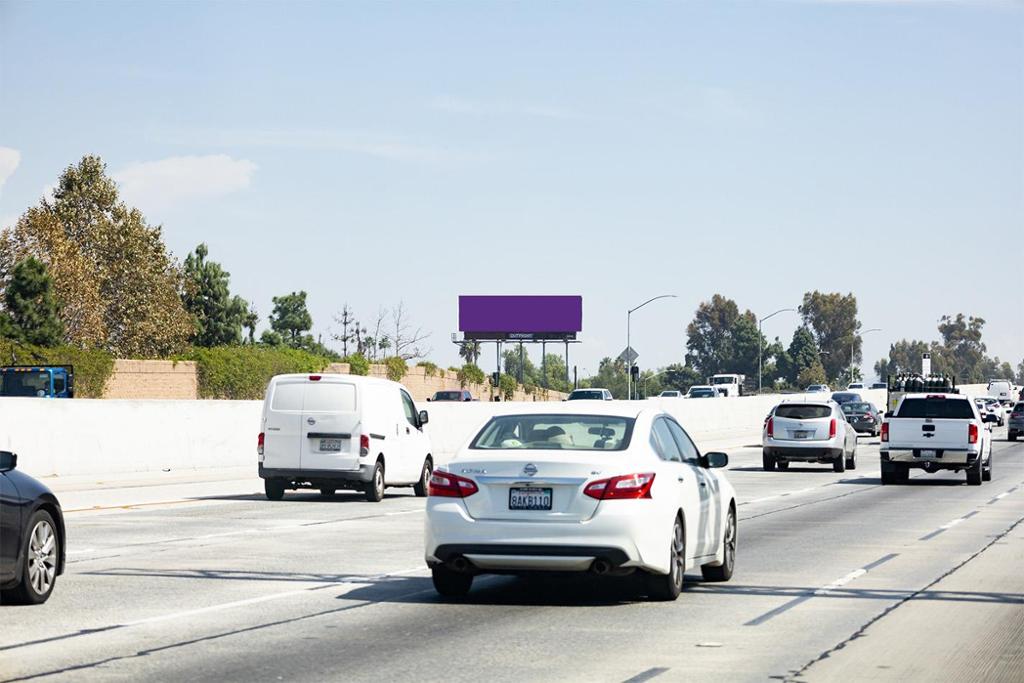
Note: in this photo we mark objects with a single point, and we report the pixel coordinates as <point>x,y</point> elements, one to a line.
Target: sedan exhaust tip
<point>460,564</point>
<point>600,567</point>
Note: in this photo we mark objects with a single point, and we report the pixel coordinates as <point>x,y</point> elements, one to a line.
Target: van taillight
<point>832,429</point>
<point>259,443</point>
<point>885,431</point>
<point>771,427</point>
<point>364,444</point>
<point>314,378</point>
<point>972,433</point>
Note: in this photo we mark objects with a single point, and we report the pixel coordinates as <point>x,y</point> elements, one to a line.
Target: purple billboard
<point>520,317</point>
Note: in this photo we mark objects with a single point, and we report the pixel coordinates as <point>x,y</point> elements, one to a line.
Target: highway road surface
<point>837,578</point>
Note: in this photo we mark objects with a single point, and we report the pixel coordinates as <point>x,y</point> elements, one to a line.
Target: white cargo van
<point>341,431</point>
<point>1001,390</point>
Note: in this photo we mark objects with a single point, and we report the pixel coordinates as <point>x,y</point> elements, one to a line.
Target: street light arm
<point>663,296</point>
<point>781,310</point>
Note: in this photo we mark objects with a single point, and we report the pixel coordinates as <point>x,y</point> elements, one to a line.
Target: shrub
<point>93,367</point>
<point>429,369</point>
<point>396,367</point>
<point>507,385</point>
<point>357,364</point>
<point>242,372</point>
<point>469,374</point>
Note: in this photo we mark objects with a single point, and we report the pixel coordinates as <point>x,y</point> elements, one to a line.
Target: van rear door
<point>330,420</point>
<point>282,423</point>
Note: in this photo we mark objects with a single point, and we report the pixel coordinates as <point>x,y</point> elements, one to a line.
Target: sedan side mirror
<point>424,418</point>
<point>8,461</point>
<point>715,459</point>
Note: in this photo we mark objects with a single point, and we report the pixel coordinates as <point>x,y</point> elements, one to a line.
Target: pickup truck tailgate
<point>939,434</point>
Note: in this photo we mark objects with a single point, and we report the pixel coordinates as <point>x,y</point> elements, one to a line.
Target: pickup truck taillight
<point>885,431</point>
<point>972,433</point>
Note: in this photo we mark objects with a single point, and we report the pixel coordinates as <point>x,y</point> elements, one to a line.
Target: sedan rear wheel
<point>39,566</point>
<point>449,583</point>
<point>723,572</point>
<point>666,587</point>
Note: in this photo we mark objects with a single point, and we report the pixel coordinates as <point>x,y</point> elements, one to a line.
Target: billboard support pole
<point>544,363</point>
<point>522,364</point>
<point>566,360</point>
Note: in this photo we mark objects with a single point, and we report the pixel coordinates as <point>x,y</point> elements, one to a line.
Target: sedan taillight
<point>448,485</point>
<point>625,487</point>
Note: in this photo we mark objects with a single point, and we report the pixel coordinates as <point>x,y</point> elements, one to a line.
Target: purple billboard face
<point>520,317</point>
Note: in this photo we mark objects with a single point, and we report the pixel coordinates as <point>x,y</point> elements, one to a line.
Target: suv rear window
<point>938,408</point>
<point>802,412</point>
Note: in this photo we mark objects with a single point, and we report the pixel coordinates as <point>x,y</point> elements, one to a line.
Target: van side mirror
<point>424,418</point>
<point>715,459</point>
<point>8,461</point>
<point>428,399</point>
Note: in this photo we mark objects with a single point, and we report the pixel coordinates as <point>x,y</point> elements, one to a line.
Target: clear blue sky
<point>376,152</point>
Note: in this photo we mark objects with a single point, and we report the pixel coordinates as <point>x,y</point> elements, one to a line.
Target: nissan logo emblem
<point>530,470</point>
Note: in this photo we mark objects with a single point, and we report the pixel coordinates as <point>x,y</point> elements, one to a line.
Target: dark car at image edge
<point>31,536</point>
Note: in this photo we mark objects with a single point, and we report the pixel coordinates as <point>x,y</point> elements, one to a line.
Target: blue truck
<point>40,381</point>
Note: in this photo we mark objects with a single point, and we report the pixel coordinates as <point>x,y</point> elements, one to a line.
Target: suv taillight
<point>885,431</point>
<point>832,429</point>
<point>625,487</point>
<point>770,428</point>
<point>448,485</point>
<point>259,443</point>
<point>972,433</point>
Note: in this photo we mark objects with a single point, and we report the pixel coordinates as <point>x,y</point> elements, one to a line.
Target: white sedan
<point>606,490</point>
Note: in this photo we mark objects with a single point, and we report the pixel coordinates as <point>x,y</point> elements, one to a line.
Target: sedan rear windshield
<point>702,393</point>
<point>586,395</point>
<point>448,396</point>
<point>555,432</point>
<point>856,408</point>
<point>796,411</point>
<point>939,408</point>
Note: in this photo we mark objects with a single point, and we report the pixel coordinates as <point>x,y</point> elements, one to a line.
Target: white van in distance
<point>341,431</point>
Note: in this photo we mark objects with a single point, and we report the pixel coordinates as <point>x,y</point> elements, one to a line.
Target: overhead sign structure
<point>520,318</point>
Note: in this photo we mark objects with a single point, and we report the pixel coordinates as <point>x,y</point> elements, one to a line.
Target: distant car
<point>31,536</point>
<point>671,393</point>
<point>855,385</point>
<point>863,416</point>
<point>610,492</point>
<point>460,395</point>
<point>702,391</point>
<point>590,395</point>
<point>842,397</point>
<point>879,385</point>
<point>818,388</point>
<point>1001,390</point>
<point>1015,426</point>
<point>990,410</point>
<point>812,430</point>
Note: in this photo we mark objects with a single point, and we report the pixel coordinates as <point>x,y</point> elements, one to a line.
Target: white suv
<point>809,431</point>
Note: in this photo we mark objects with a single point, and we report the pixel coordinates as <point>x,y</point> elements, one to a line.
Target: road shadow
<point>304,496</point>
<point>858,593</point>
<point>913,481</point>
<point>752,468</point>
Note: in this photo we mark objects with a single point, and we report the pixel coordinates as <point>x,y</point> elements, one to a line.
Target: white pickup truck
<point>935,432</point>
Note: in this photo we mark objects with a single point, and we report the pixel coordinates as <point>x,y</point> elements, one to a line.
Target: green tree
<point>249,322</point>
<point>554,373</point>
<point>832,318</point>
<point>721,339</point>
<point>513,367</point>
<point>218,316</point>
<point>904,356</point>
<point>120,288</point>
<point>611,375</point>
<point>963,350</point>
<point>812,374</point>
<point>680,377</point>
<point>801,354</point>
<point>33,313</point>
<point>470,374</point>
<point>291,317</point>
<point>507,386</point>
<point>1020,373</point>
<point>470,351</point>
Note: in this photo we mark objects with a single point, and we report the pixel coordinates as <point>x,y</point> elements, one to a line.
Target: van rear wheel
<point>375,487</point>
<point>421,487</point>
<point>274,488</point>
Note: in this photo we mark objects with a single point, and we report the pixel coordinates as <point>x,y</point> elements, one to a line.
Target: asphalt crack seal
<point>795,675</point>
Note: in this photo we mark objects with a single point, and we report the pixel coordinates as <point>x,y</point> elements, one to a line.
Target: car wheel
<point>974,473</point>
<point>839,464</point>
<point>274,488</point>
<point>421,487</point>
<point>375,487</point>
<point>327,491</point>
<point>666,587</point>
<point>723,572</point>
<point>986,472</point>
<point>851,462</point>
<point>768,462</point>
<point>1012,436</point>
<point>783,465</point>
<point>39,566</point>
<point>450,584</point>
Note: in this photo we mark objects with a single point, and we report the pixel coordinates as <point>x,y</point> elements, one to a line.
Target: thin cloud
<point>9,160</point>
<point>157,184</point>
<point>461,105</point>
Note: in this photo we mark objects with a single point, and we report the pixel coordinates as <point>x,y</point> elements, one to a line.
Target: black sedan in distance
<point>31,536</point>
<point>863,417</point>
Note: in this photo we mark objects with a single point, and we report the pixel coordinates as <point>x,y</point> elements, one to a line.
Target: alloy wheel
<point>42,557</point>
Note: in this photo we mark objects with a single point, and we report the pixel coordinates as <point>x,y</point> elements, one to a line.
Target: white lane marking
<point>347,586</point>
<point>950,525</point>
<point>839,583</point>
<point>80,551</point>
<point>403,512</point>
<point>1002,495</point>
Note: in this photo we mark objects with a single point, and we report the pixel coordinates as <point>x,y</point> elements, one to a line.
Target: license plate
<point>529,499</point>
<point>801,435</point>
<point>927,454</point>
<point>330,445</point>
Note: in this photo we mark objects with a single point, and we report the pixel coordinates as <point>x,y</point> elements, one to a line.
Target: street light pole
<point>760,343</point>
<point>853,345</point>
<point>629,361</point>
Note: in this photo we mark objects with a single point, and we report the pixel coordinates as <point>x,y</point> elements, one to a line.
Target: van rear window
<point>938,408</point>
<point>802,412</point>
<point>330,397</point>
<point>288,396</point>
